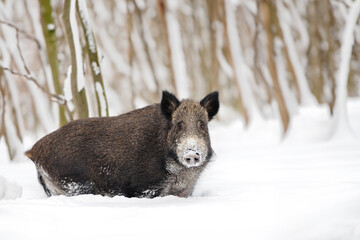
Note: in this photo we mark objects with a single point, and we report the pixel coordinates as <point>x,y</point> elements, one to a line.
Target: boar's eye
<point>201,125</point>
<point>179,127</point>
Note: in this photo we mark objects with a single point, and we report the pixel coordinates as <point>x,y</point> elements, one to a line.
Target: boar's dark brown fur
<point>154,151</point>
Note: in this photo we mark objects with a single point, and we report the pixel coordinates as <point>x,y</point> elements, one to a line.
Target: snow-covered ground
<point>260,186</point>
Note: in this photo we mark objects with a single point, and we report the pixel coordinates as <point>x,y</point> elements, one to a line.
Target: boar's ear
<point>168,104</point>
<point>211,104</point>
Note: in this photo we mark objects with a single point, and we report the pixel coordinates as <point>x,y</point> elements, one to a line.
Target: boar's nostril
<point>192,158</point>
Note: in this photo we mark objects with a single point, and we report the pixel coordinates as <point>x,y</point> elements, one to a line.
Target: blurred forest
<point>63,60</point>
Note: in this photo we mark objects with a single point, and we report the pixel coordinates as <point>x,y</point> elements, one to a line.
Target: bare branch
<point>3,106</point>
<point>27,35</point>
<point>345,3</point>
<point>53,97</point>
<point>20,52</point>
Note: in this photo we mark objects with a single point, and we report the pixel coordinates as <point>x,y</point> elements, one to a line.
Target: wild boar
<point>155,151</point>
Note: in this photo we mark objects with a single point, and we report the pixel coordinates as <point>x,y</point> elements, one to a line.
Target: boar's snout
<point>192,152</point>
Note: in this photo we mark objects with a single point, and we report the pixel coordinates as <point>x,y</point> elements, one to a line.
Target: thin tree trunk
<point>288,60</point>
<point>243,109</point>
<point>2,99</point>
<point>131,53</point>
<point>79,96</point>
<point>48,27</point>
<point>9,126</point>
<point>304,94</point>
<point>269,17</point>
<point>145,44</point>
<point>161,6</point>
<point>258,72</point>
<point>330,61</point>
<point>315,69</point>
<point>214,71</point>
<point>91,49</point>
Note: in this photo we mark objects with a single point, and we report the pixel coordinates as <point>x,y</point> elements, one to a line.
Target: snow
<point>84,16</point>
<point>67,85</point>
<point>50,27</point>
<point>258,187</point>
<point>9,190</point>
<point>95,67</point>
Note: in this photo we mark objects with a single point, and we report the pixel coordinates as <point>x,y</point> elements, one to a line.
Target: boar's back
<point>121,155</point>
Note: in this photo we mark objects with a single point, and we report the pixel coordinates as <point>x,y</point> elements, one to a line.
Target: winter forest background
<point>60,62</point>
<point>286,137</point>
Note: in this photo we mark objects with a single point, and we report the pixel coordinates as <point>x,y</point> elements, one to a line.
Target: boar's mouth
<point>192,152</point>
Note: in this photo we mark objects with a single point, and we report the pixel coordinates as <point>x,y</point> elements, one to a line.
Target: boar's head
<point>188,139</point>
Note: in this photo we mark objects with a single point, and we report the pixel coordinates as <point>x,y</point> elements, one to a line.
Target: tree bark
<point>243,108</point>
<point>131,53</point>
<point>315,67</point>
<point>269,20</point>
<point>288,60</point>
<point>91,49</point>
<point>161,7</point>
<point>139,15</point>
<point>80,102</point>
<point>48,28</point>
<point>212,7</point>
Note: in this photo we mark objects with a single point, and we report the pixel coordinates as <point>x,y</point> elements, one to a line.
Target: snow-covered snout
<point>188,137</point>
<point>192,152</point>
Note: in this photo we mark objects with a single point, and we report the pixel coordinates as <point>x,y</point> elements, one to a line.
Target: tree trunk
<point>288,60</point>
<point>79,95</point>
<point>131,53</point>
<point>48,27</point>
<point>243,108</point>
<point>214,71</point>
<point>269,20</point>
<point>139,15</point>
<point>91,49</point>
<point>161,6</point>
